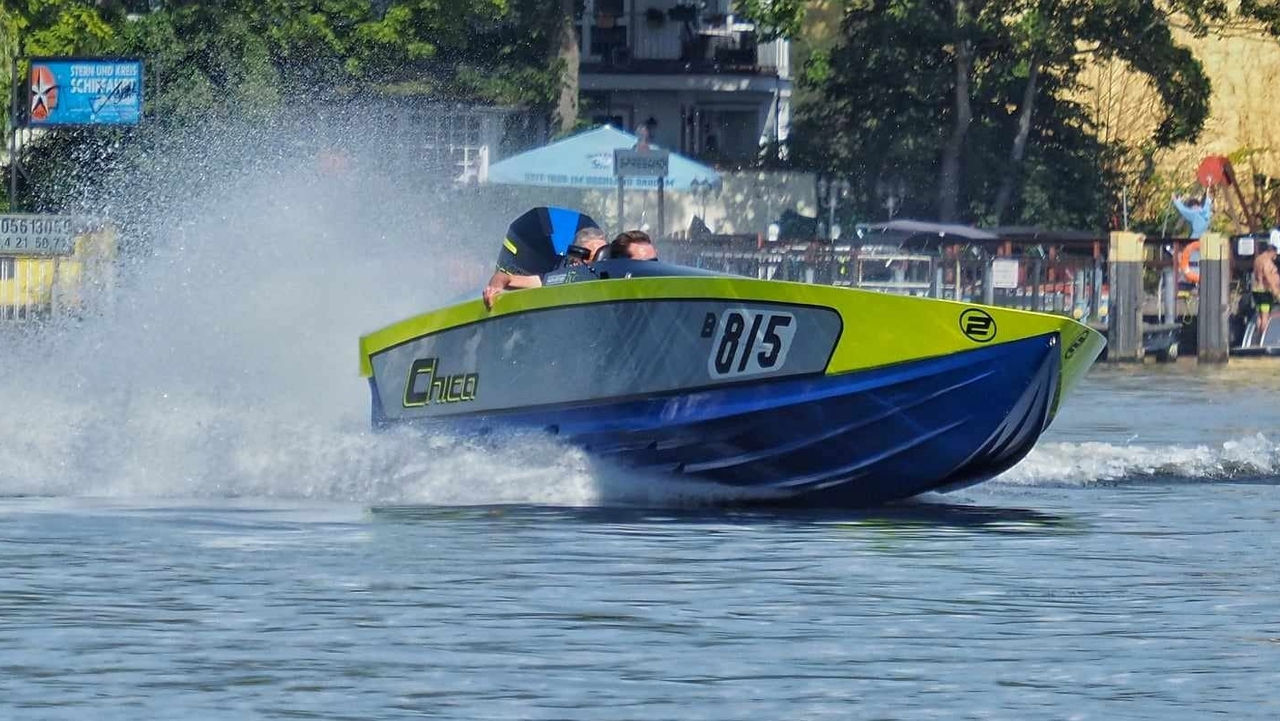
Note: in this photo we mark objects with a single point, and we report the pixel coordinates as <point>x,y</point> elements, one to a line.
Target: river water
<point>195,523</point>
<point>1127,569</point>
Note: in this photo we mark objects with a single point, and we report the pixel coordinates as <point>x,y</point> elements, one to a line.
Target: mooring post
<point>662,207</point>
<point>956,294</point>
<point>13,138</point>
<point>988,280</point>
<point>1037,302</point>
<point>1078,296</point>
<point>1096,307</point>
<point>1124,327</point>
<point>1169,285</point>
<point>53,289</point>
<point>1212,333</point>
<point>620,223</point>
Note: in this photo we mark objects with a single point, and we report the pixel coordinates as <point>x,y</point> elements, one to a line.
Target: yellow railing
<point>45,286</point>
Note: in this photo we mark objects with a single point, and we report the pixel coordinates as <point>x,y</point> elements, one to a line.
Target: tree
<point>879,101</point>
<point>49,27</point>
<point>1000,77</point>
<point>963,22</point>
<point>567,58</point>
<point>1048,35</point>
<point>773,18</point>
<point>243,59</point>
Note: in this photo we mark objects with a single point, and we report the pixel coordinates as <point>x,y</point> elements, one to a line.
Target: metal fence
<point>40,288</point>
<point>1073,285</point>
<point>26,289</point>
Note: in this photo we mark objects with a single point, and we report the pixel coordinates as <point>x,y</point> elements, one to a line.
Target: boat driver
<point>586,243</point>
<point>633,244</point>
<point>1266,286</point>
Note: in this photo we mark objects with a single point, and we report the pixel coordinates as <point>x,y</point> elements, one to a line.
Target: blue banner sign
<point>84,91</point>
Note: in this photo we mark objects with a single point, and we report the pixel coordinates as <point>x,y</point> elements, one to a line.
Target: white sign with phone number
<point>640,163</point>
<point>25,234</point>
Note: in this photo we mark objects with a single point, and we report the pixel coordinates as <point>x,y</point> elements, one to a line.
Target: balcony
<point>656,41</point>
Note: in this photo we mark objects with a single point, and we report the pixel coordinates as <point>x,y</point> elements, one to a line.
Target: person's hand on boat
<point>490,294</point>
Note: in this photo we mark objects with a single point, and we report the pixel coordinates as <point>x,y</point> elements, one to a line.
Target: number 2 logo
<point>749,342</point>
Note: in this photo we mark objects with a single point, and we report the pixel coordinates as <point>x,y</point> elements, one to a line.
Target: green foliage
<point>880,110</point>
<point>248,59</point>
<point>817,69</point>
<point>63,27</point>
<point>10,25</point>
<point>244,56</point>
<point>51,27</point>
<point>773,18</point>
<point>886,100</point>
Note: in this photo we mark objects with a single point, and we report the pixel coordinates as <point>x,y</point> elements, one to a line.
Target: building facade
<point>696,78</point>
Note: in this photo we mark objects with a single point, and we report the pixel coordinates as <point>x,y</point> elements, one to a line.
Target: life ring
<point>1189,262</point>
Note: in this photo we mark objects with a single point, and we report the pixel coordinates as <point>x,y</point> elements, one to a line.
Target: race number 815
<point>747,342</point>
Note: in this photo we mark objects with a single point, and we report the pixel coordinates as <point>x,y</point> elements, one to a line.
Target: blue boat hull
<point>856,438</point>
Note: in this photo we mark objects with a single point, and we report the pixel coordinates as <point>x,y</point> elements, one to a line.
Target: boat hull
<point>795,392</point>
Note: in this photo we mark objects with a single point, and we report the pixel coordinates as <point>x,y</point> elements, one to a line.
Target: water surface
<point>1125,570</point>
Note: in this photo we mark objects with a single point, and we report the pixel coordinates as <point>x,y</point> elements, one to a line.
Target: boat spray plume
<point>225,364</point>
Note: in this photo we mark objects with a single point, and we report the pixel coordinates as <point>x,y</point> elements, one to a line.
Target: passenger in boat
<point>633,244</point>
<point>586,243</point>
<point>1266,285</point>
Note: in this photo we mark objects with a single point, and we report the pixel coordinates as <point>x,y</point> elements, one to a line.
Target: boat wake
<point>229,453</point>
<point>138,449</point>
<point>1252,459</point>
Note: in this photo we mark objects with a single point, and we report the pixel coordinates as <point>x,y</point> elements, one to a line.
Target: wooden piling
<point>955,289</point>
<point>1124,327</point>
<point>988,280</point>
<point>1037,278</point>
<point>1096,314</point>
<point>1213,333</point>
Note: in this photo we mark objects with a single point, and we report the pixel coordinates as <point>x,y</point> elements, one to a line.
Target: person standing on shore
<point>1196,211</point>
<point>1266,286</point>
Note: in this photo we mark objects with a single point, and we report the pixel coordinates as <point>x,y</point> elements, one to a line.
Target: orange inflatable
<point>1189,262</point>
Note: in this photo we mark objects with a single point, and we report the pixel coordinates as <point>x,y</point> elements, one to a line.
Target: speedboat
<point>805,393</point>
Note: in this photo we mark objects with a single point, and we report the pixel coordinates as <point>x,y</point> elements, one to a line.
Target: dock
<point>1126,285</point>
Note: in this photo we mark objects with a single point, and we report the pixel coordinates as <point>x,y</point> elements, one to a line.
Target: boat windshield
<point>622,268</point>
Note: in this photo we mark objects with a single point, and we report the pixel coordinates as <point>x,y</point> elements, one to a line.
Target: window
<point>602,29</point>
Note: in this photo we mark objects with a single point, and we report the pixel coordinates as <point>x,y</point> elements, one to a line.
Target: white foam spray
<point>226,365</point>
<point>1248,459</point>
